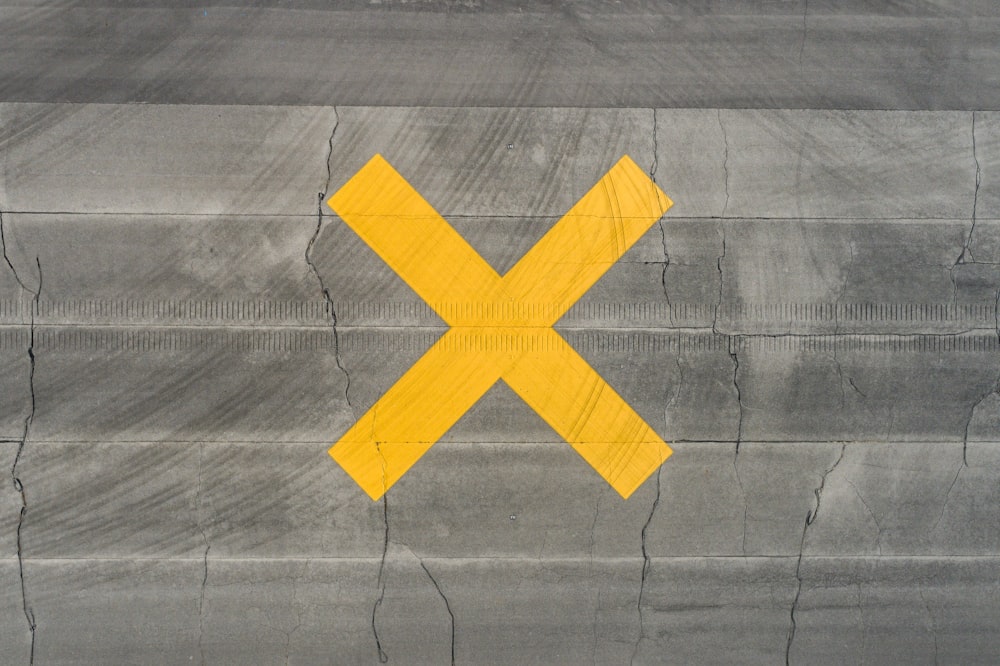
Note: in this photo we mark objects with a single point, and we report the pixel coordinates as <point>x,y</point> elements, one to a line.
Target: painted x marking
<point>500,327</point>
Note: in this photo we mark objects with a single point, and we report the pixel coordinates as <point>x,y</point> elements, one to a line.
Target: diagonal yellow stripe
<point>410,236</point>
<point>586,412</point>
<point>588,240</point>
<point>501,327</point>
<point>419,408</point>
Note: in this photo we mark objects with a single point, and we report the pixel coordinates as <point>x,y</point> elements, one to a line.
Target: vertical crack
<point>327,298</point>
<point>725,160</point>
<point>646,564</point>
<point>878,527</point>
<point>382,656</point>
<point>208,547</point>
<point>743,492</point>
<point>6,258</point>
<point>652,168</point>
<point>593,529</point>
<point>734,342</point>
<point>718,266</point>
<point>447,607</point>
<point>810,518</point>
<point>663,273</point>
<point>663,231</point>
<point>29,613</point>
<point>967,247</point>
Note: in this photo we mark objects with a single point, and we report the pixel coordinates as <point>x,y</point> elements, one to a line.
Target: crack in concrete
<point>328,299</point>
<point>743,492</point>
<point>27,609</point>
<point>718,266</point>
<point>663,273</point>
<point>6,258</point>
<point>447,607</point>
<point>655,164</point>
<point>663,231</point>
<point>734,342</point>
<point>878,526</point>
<point>967,247</point>
<point>993,390</point>
<point>954,480</point>
<point>646,564</point>
<point>382,656</point>
<point>725,160</point>
<point>810,518</point>
<point>208,547</point>
<point>932,622</point>
<point>593,528</point>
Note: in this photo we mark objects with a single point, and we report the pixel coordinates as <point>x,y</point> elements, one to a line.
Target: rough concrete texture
<point>185,327</point>
<point>726,53</point>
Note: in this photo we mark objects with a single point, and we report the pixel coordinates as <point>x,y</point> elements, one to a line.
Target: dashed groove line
<point>70,339</point>
<point>299,312</point>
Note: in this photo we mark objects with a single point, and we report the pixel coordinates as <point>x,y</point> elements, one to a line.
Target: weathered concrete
<point>813,328</point>
<point>803,54</point>
<point>163,159</point>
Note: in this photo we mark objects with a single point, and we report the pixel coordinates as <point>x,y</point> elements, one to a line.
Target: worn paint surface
<point>501,327</point>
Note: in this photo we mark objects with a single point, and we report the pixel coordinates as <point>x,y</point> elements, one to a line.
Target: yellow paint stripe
<point>586,412</point>
<point>410,236</point>
<point>412,415</point>
<point>501,327</point>
<point>588,240</point>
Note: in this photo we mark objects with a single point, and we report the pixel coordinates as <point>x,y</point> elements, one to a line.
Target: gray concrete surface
<point>813,327</point>
<point>725,53</point>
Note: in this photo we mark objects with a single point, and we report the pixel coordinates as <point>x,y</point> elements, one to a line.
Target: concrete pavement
<point>812,327</point>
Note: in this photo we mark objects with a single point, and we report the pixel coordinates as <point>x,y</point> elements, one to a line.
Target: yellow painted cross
<point>501,327</point>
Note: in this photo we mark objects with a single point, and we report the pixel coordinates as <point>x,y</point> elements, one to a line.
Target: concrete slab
<point>163,499</point>
<point>513,501</point>
<point>10,499</point>
<point>848,276</point>
<point>825,366</point>
<point>509,611</point>
<point>714,501</point>
<point>688,374</point>
<point>860,164</point>
<point>507,54</point>
<point>188,384</point>
<point>988,158</point>
<point>168,269</point>
<point>867,388</point>
<point>296,612</point>
<point>710,610</point>
<point>164,159</point>
<point>125,611</point>
<point>909,499</point>
<point>921,611</point>
<point>15,372</point>
<point>291,500</point>
<point>111,500</point>
<point>15,635</point>
<point>691,161</point>
<point>493,161</point>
